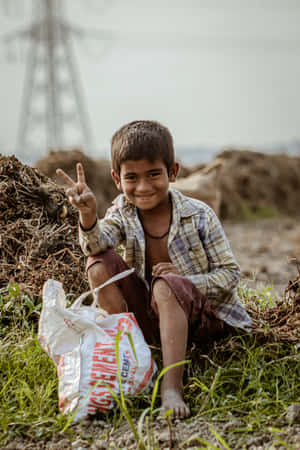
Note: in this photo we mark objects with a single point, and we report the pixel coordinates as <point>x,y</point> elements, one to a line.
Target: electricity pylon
<point>53,104</point>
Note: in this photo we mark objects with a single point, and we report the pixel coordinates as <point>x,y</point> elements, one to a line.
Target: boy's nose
<point>143,185</point>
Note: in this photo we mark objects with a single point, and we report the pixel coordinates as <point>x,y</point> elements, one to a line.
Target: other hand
<point>163,268</point>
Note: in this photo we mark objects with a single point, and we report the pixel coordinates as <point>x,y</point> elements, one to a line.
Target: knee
<point>101,267</point>
<point>162,292</point>
<point>97,274</point>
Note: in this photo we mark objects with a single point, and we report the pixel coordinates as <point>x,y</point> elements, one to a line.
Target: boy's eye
<point>154,174</point>
<point>130,177</point>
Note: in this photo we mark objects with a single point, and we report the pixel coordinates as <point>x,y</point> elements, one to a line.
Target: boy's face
<point>145,183</point>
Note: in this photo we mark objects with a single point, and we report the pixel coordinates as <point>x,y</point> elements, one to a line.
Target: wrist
<point>87,222</point>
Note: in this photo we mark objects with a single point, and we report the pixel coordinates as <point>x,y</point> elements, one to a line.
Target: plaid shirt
<point>197,247</point>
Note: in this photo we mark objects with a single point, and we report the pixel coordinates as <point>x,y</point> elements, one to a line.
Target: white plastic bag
<point>81,341</point>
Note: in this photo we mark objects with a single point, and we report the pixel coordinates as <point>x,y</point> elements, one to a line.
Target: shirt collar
<point>184,206</point>
<point>121,202</point>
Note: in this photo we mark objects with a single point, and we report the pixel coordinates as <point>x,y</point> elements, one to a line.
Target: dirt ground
<point>100,434</point>
<point>267,251</point>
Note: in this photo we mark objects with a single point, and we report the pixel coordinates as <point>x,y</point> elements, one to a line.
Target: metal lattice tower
<point>53,103</point>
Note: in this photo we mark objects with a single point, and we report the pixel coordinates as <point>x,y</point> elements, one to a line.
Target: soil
<point>100,435</point>
<point>268,252</point>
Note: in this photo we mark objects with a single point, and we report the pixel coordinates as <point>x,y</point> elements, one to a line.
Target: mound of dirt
<point>252,181</point>
<point>38,237</point>
<point>257,181</point>
<point>97,173</point>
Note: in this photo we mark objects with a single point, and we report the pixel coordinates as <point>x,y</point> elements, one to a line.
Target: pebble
<point>164,436</point>
<point>100,444</point>
<point>293,413</point>
<point>232,425</point>
<point>255,442</point>
<point>59,445</point>
<point>80,444</point>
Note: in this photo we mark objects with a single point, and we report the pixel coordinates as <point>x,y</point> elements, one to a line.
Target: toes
<point>183,412</point>
<point>180,412</point>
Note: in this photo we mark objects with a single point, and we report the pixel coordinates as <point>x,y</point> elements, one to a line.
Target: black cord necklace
<point>162,235</point>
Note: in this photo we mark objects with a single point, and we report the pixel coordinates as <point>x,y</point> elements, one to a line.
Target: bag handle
<point>117,277</point>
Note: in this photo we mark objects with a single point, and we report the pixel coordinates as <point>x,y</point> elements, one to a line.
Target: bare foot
<point>173,399</point>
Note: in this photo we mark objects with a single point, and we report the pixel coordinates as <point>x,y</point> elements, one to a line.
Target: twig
<point>211,362</point>
<point>59,252</point>
<point>293,358</point>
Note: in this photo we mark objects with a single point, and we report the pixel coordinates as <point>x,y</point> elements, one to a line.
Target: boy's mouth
<point>144,197</point>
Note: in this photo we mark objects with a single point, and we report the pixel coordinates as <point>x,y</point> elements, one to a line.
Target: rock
<point>293,413</point>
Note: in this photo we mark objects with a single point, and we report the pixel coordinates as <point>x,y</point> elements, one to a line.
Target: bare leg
<point>110,298</point>
<point>173,334</point>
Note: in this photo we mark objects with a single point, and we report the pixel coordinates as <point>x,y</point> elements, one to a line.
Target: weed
<point>238,378</point>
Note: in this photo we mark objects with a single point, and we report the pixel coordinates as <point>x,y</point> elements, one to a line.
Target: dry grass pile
<point>38,237</point>
<point>280,323</point>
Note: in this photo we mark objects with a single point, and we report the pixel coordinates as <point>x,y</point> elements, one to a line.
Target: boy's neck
<point>158,211</point>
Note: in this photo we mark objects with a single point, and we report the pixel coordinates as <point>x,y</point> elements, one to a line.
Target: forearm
<point>106,233</point>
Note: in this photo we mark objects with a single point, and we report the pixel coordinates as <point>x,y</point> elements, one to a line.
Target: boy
<point>186,276</point>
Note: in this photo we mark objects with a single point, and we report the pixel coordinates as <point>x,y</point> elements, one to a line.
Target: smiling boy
<point>184,286</point>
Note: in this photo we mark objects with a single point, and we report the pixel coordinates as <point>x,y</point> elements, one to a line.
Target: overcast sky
<point>216,72</point>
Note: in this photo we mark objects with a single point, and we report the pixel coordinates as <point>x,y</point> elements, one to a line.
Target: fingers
<point>68,180</point>
<point>163,269</point>
<point>80,173</point>
<point>72,194</point>
<point>77,199</point>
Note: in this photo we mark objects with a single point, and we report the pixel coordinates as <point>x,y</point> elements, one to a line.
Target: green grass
<point>247,213</point>
<point>238,378</point>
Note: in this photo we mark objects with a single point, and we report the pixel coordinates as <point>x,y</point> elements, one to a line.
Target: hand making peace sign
<point>81,196</point>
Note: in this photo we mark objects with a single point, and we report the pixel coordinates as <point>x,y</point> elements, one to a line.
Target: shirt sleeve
<point>223,272</point>
<point>106,233</point>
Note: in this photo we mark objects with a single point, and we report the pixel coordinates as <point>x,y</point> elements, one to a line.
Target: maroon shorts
<point>203,320</point>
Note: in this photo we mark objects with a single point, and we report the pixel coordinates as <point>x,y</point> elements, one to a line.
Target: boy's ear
<point>173,172</point>
<point>116,179</point>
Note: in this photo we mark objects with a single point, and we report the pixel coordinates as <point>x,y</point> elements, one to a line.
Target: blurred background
<point>222,75</point>
<point>217,73</point>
